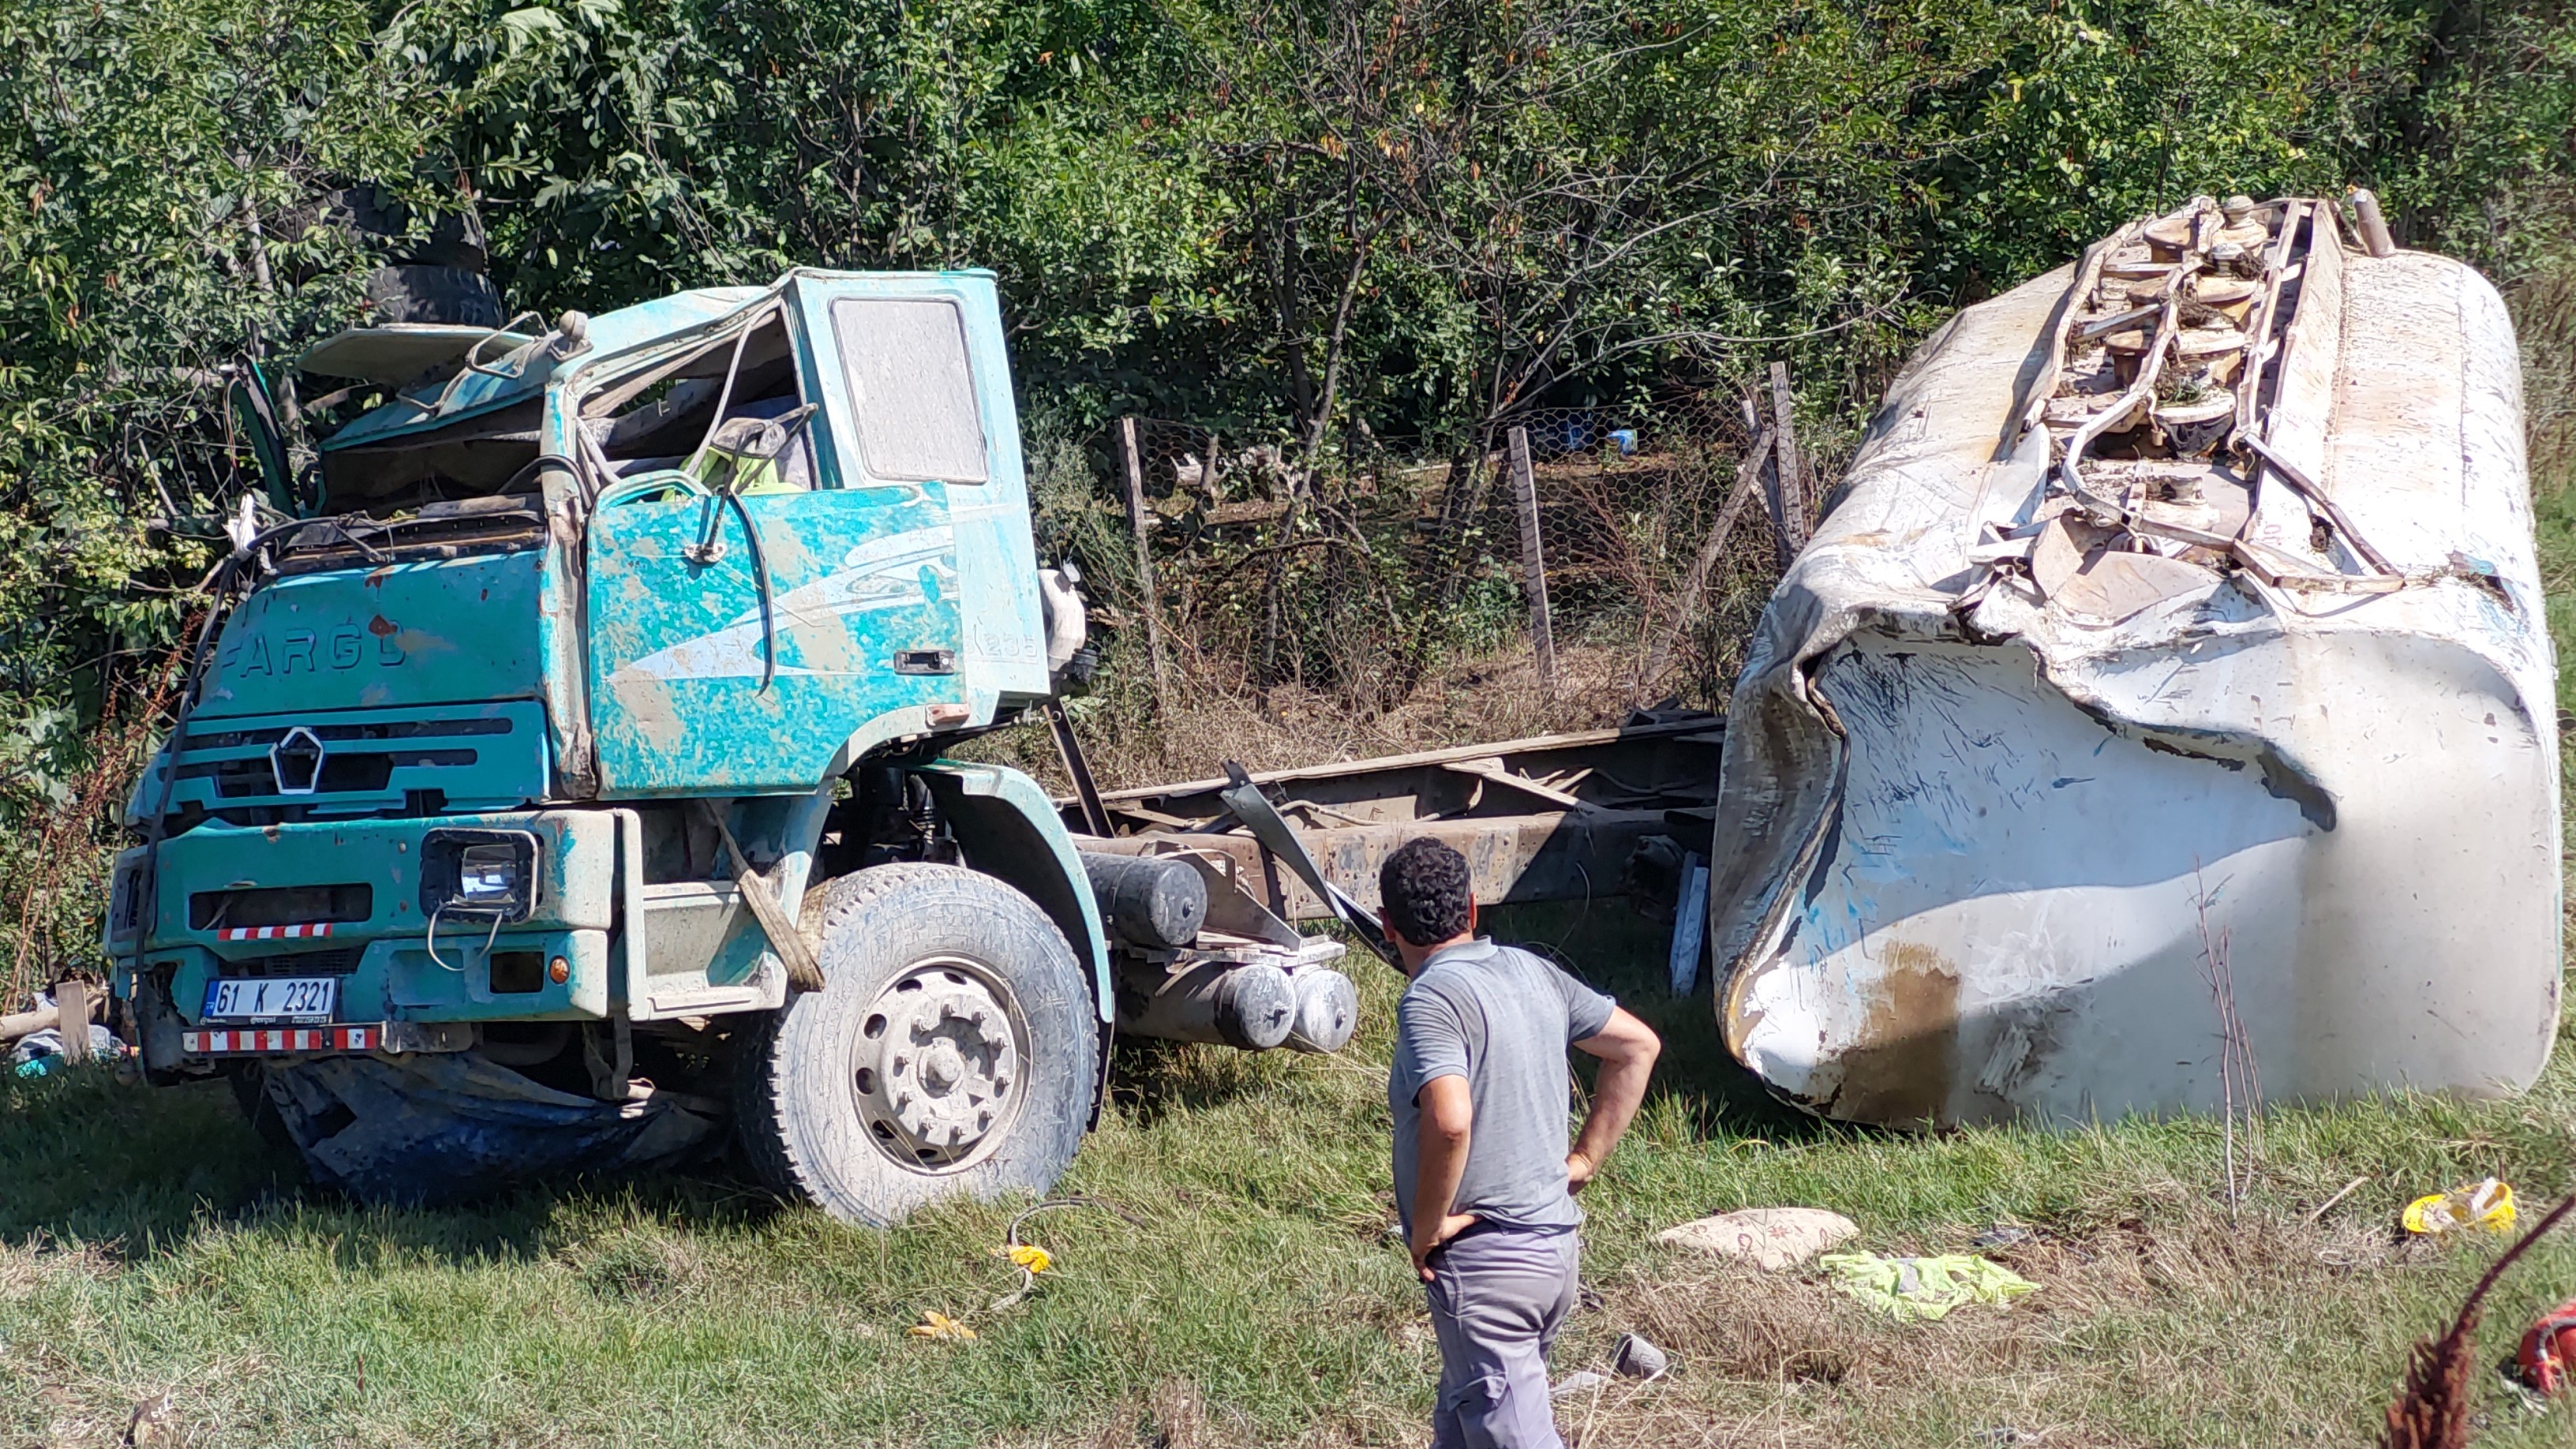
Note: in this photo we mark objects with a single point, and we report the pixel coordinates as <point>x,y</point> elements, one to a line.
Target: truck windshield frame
<point>483,453</point>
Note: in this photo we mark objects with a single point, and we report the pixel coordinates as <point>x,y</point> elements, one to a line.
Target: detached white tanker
<point>2166,713</point>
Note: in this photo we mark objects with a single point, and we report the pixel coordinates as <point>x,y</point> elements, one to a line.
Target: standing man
<point>1484,1179</point>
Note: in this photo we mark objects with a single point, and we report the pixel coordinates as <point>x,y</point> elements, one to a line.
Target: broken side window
<point>656,418</point>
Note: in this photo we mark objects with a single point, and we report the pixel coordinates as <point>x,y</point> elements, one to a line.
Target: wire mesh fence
<point>1357,574</point>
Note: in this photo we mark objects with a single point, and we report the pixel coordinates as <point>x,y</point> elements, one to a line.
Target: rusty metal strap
<point>803,971</point>
<point>1254,809</point>
<point>1095,816</point>
<point>2316,498</point>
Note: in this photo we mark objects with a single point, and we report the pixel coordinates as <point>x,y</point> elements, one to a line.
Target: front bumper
<point>552,965</point>
<point>308,1041</point>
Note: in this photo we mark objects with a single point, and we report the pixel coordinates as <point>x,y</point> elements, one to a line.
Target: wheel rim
<point>937,1073</point>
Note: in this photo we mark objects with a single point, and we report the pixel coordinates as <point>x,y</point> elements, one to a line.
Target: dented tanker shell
<point>1973,821</point>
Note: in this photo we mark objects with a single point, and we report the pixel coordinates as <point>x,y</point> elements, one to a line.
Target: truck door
<point>862,405</point>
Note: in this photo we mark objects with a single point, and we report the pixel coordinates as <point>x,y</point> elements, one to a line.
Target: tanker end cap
<point>1328,1010</point>
<point>1250,1006</point>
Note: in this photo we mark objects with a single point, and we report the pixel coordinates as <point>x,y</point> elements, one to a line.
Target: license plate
<point>273,998</point>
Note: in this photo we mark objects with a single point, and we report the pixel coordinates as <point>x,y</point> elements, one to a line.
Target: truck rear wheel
<point>951,1051</point>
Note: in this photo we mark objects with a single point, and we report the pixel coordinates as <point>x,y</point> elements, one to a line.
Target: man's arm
<point>1448,1114</point>
<point>1627,1048</point>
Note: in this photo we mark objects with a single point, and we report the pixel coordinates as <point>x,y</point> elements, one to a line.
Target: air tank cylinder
<point>1146,900</point>
<point>1251,1006</point>
<point>1328,1010</point>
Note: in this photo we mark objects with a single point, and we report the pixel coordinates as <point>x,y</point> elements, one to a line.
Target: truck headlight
<point>487,874</point>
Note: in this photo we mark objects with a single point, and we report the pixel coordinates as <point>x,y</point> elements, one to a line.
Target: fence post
<point>1147,601</point>
<point>1793,490</point>
<point>1533,558</point>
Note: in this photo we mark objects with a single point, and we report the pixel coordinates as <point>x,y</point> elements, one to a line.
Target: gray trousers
<point>1498,1297</point>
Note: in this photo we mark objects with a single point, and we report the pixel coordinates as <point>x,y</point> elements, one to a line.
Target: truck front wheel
<point>951,1051</point>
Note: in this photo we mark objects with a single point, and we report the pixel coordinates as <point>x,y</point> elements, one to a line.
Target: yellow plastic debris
<point>1024,1256</point>
<point>2486,1204</point>
<point>935,1324</point>
<point>1908,1289</point>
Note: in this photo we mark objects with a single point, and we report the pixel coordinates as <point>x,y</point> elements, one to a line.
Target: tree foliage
<point>1321,223</point>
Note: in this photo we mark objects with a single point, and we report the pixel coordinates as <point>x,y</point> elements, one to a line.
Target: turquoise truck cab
<point>586,723</point>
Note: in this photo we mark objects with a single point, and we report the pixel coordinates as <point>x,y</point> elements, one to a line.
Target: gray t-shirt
<point>1501,1018</point>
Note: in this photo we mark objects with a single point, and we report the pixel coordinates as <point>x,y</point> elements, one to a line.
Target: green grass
<point>151,1249</point>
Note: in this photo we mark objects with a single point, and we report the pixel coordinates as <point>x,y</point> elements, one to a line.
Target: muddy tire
<point>950,1053</point>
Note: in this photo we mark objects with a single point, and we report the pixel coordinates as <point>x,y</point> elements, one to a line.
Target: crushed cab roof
<point>517,372</point>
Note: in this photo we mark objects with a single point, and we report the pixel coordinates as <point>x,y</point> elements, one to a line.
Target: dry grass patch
<point>2130,1314</point>
<point>40,1262</point>
<point>1214,717</point>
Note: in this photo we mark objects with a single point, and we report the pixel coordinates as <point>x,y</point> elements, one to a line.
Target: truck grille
<point>276,768</point>
<point>339,773</point>
<point>336,961</point>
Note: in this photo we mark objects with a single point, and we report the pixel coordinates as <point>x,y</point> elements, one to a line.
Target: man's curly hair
<point>1424,889</point>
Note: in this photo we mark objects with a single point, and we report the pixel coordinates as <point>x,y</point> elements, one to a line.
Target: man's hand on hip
<point>1578,1170</point>
<point>1427,1239</point>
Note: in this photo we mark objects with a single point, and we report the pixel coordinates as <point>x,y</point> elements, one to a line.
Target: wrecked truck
<point>2163,718</point>
<point>565,779</point>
